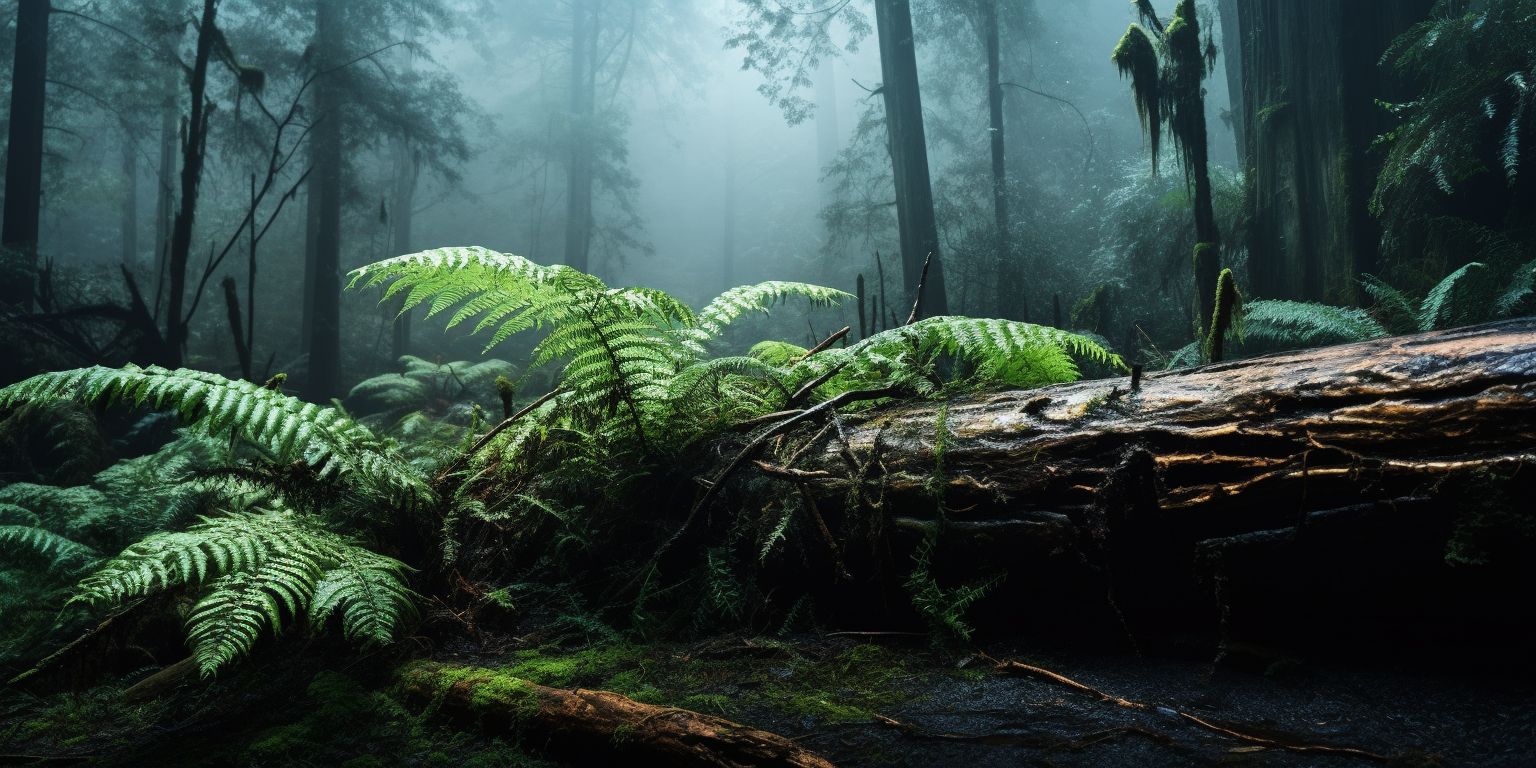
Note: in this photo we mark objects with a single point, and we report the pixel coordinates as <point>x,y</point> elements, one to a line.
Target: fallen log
<point>599,726</point>
<point>1365,453</point>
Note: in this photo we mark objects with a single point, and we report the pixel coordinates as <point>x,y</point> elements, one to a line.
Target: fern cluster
<point>281,481</point>
<point>254,568</point>
<point>637,364</point>
<point>425,381</point>
<point>1448,192</point>
<point>1475,293</point>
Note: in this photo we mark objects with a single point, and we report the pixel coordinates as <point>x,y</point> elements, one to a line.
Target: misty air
<point>811,383</point>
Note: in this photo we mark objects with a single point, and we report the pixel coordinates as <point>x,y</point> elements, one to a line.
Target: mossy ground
<point>327,713</point>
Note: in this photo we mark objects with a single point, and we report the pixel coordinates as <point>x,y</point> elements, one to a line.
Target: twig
<point>757,421</point>
<point>717,481</point>
<point>1225,728</point>
<point>787,473</point>
<point>813,384</point>
<point>1314,749</point>
<point>1052,677</point>
<point>830,340</point>
<point>921,281</point>
<point>473,449</point>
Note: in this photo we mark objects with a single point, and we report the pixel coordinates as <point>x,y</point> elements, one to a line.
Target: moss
<point>1272,111</point>
<point>1226,317</point>
<point>1089,312</point>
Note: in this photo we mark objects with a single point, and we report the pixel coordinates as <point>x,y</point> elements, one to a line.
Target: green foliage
<point>424,381</point>
<point>335,447</point>
<point>254,568</point>
<point>943,609</point>
<point>257,561</point>
<point>1468,295</point>
<point>1447,192</point>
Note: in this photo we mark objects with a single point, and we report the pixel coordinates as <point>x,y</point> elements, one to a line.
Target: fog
<point>701,179</point>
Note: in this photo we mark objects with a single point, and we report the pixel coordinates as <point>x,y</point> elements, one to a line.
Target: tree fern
<point>255,568</point>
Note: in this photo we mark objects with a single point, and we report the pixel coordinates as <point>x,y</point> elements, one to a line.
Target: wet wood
<point>1217,450</point>
<point>600,726</point>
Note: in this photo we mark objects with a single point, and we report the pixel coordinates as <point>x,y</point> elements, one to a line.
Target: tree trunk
<point>578,202</point>
<point>1310,146</point>
<point>909,157</point>
<point>324,381</point>
<point>1357,461</point>
<point>165,186</point>
<point>599,727</point>
<point>24,154</point>
<point>1008,278</point>
<point>1232,59</point>
<point>191,176</point>
<point>407,173</point>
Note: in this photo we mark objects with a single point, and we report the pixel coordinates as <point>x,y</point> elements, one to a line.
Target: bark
<point>1310,84</point>
<point>1091,487</point>
<point>165,186</point>
<point>578,203</point>
<point>24,153</point>
<point>909,156</point>
<point>192,153</point>
<point>1232,59</point>
<point>407,173</point>
<point>599,725</point>
<point>324,380</point>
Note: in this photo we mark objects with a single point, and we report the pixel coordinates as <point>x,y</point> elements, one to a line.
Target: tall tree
<point>909,158</point>
<point>194,147</point>
<point>1313,150</point>
<point>1166,84</point>
<point>407,174</point>
<point>24,154</point>
<point>324,381</point>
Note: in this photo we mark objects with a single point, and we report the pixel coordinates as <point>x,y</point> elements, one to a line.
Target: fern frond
<point>1307,325</point>
<point>325,438</point>
<point>741,300</point>
<point>1395,307</point>
<point>18,540</point>
<point>255,568</point>
<point>1439,307</point>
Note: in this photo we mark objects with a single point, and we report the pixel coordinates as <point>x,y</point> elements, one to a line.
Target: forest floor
<point>883,700</point>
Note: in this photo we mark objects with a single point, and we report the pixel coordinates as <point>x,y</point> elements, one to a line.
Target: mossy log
<point>1148,495</point>
<point>599,726</point>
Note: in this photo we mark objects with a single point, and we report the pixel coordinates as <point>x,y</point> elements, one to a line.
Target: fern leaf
<point>1306,324</point>
<point>331,442</point>
<point>17,540</point>
<point>1439,307</point>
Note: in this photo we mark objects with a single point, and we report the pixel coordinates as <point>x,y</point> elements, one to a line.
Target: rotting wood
<point>601,724</point>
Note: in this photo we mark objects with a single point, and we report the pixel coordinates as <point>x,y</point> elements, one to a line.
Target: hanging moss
<point>1088,313</point>
<point>1136,58</point>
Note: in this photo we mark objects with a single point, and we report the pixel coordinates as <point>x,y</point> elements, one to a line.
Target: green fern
<point>1308,325</point>
<point>255,568</point>
<point>16,541</point>
<point>333,445</point>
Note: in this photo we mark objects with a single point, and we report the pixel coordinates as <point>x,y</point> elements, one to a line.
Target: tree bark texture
<point>407,173</point>
<point>599,725</point>
<point>909,156</point>
<point>578,199</point>
<point>1130,498</point>
<point>192,152</point>
<point>1311,79</point>
<point>324,381</point>
<point>24,153</point>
